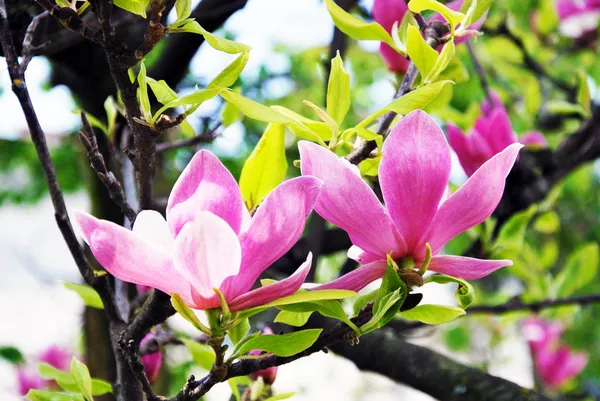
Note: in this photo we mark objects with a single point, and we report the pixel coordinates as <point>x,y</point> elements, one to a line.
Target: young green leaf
<point>442,62</point>
<point>143,94</point>
<point>465,294</point>
<point>584,98</point>
<point>423,55</point>
<point>363,300</point>
<point>356,28</point>
<point>237,332</point>
<point>433,314</point>
<point>110,107</point>
<point>202,354</point>
<point>309,296</point>
<point>387,307</point>
<point>81,374</point>
<point>338,90</point>
<point>230,74</point>
<point>266,166</point>
<point>254,109</point>
<point>581,269</point>
<point>163,92</point>
<point>279,397</point>
<point>194,99</point>
<point>327,308</point>
<point>473,10</point>
<point>453,17</point>
<point>283,344</point>
<point>133,6</point>
<point>296,319</point>
<point>187,313</point>
<point>89,296</point>
<point>370,167</point>
<point>44,395</point>
<point>183,9</point>
<point>512,233</point>
<point>547,222</point>
<point>216,42</point>
<point>94,122</point>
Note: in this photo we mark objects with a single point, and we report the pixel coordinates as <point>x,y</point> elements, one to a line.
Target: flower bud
<point>29,379</point>
<point>268,375</point>
<point>152,362</point>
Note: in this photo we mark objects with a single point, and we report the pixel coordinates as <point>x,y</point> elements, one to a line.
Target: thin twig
<point>71,20</point>
<point>205,137</point>
<point>517,305</point>
<point>480,73</point>
<point>32,36</point>
<point>155,31</point>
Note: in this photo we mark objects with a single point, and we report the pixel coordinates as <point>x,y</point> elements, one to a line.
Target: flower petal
<point>498,130</point>
<point>349,203</point>
<point>205,184</point>
<point>152,226</point>
<point>362,257</point>
<point>130,257</point>
<point>207,251</point>
<point>280,289</point>
<point>474,201</point>
<point>357,279</point>
<point>414,173</point>
<point>534,139</point>
<point>275,227</point>
<point>466,268</point>
<point>472,149</point>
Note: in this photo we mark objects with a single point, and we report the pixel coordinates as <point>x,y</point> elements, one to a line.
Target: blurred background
<point>290,49</point>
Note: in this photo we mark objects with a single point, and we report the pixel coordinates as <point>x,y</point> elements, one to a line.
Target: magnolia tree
<point>344,213</point>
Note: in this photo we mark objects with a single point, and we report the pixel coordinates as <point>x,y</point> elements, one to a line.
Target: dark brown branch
<point>32,36</point>
<point>155,31</point>
<point>88,139</point>
<point>205,137</point>
<point>71,20</point>
<point>518,305</point>
<point>128,349</point>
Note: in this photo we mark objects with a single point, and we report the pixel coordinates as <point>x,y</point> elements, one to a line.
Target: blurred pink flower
<point>388,12</point>
<point>555,362</point>
<point>577,17</point>
<point>28,377</point>
<point>209,240</point>
<point>270,374</point>
<point>413,173</point>
<point>491,134</point>
<point>152,362</point>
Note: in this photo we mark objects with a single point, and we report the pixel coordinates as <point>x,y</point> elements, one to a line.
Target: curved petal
<point>152,226</point>
<point>131,257</point>
<point>349,203</point>
<point>534,139</point>
<point>573,364</point>
<point>394,60</point>
<point>280,289</point>
<point>474,201</point>
<point>362,257</point>
<point>499,133</point>
<point>275,227</point>
<point>357,279</point>
<point>466,268</point>
<point>207,251</point>
<point>388,12</point>
<point>414,173</point>
<point>205,184</point>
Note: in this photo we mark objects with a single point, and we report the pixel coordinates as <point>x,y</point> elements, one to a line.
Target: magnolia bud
<point>268,375</point>
<point>152,362</point>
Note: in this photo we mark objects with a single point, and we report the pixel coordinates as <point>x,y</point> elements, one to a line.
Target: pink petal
<point>151,225</point>
<point>130,257</point>
<point>499,133</point>
<point>387,12</point>
<point>362,257</point>
<point>574,364</point>
<point>460,144</point>
<point>490,105</point>
<point>466,268</point>
<point>349,203</point>
<point>152,362</point>
<point>275,227</point>
<point>58,357</point>
<point>207,251</point>
<point>205,184</point>
<point>542,334</point>
<point>357,279</point>
<point>474,201</point>
<point>29,379</point>
<point>280,289</point>
<point>534,139</point>
<point>395,61</point>
<point>414,173</point>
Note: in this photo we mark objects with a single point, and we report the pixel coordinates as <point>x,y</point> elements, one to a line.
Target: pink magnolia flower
<point>491,134</point>
<point>270,374</point>
<point>152,362</point>
<point>388,12</point>
<point>577,17</point>
<point>28,377</point>
<point>208,240</point>
<point>413,173</point>
<point>555,362</point>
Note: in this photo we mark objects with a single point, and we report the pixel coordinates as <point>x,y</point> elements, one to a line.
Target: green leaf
<point>89,296</point>
<point>453,17</point>
<point>163,92</point>
<point>581,269</point>
<point>296,319</point>
<point>473,11</point>
<point>327,308</point>
<point>584,98</point>
<point>309,296</point>
<point>202,354</point>
<point>338,90</point>
<point>183,9</point>
<point>465,294</point>
<point>110,106</point>
<point>187,313</point>
<point>333,126</point>
<point>305,128</point>
<point>101,387</point>
<point>512,233</point>
<point>388,306</point>
<point>423,55</point>
<point>230,74</point>
<point>417,99</point>
<point>216,42</point>
<point>282,344</point>
<point>133,6</point>
<point>43,395</point>
<point>81,374</point>
<point>94,122</point>
<point>254,109</point>
<point>143,94</point>
<point>370,167</point>
<point>433,314</point>
<point>194,99</point>
<point>230,114</point>
<point>239,331</point>
<point>356,28</point>
<point>11,355</point>
<point>266,166</point>
<point>563,107</point>
<point>442,61</point>
<point>458,339</point>
<point>363,300</point>
<point>547,222</point>
<point>279,397</point>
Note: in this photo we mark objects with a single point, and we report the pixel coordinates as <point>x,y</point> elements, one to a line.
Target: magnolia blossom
<point>413,173</point>
<point>491,134</point>
<point>208,240</point>
<point>28,377</point>
<point>389,12</point>
<point>577,17</point>
<point>270,374</point>
<point>152,362</point>
<point>554,361</point>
